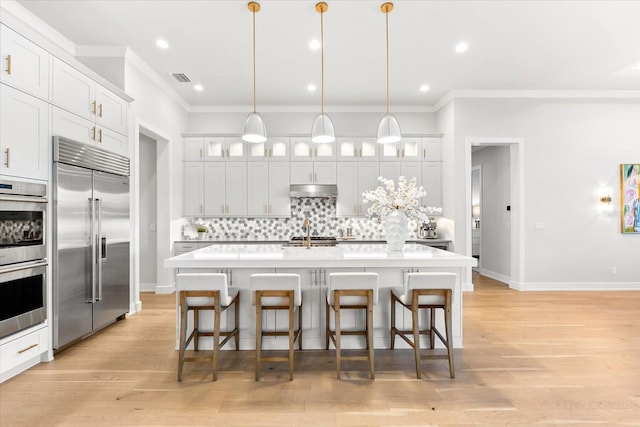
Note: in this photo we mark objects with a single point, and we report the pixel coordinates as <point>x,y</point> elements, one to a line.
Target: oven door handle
<point>11,198</point>
<point>23,266</point>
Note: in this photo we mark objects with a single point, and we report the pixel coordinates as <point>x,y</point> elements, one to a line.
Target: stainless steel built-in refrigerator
<point>90,239</point>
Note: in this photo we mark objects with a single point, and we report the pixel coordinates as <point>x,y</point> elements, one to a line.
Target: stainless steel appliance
<point>22,296</point>
<point>90,239</point>
<point>23,208</point>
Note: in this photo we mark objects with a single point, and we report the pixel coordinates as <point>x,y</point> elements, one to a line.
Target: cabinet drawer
<point>183,248</point>
<point>23,349</point>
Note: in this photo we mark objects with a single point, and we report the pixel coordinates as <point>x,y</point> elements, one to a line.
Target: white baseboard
<point>495,276</point>
<point>575,286</point>
<point>468,287</point>
<point>165,289</point>
<point>148,287</point>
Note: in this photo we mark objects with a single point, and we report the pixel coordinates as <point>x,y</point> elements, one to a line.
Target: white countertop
<point>351,255</point>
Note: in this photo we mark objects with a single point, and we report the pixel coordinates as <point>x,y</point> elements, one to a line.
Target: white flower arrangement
<point>405,198</point>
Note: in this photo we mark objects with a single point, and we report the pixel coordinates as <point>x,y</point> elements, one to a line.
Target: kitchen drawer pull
<point>6,162</point>
<point>93,137</point>
<point>100,110</point>
<point>424,153</point>
<point>403,153</point>
<point>24,350</point>
<point>397,152</point>
<point>9,64</point>
<point>100,136</point>
<point>201,153</point>
<point>93,107</point>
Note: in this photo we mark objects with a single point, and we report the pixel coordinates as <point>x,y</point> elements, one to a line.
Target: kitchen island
<point>314,265</point>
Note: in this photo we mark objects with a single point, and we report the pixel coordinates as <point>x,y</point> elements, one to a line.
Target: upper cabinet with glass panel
<point>406,149</point>
<point>275,149</point>
<point>222,149</point>
<point>358,149</point>
<point>303,149</point>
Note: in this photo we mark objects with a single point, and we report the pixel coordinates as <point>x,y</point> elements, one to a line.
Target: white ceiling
<point>513,45</point>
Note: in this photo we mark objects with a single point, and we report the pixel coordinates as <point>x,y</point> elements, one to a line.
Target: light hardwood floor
<point>534,358</point>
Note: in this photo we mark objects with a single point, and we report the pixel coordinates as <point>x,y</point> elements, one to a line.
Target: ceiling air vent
<point>181,77</point>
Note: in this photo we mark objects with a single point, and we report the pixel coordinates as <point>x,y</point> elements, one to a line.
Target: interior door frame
<point>516,166</point>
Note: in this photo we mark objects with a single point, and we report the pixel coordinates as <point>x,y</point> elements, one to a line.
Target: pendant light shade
<point>389,128</point>
<point>322,130</point>
<point>254,129</point>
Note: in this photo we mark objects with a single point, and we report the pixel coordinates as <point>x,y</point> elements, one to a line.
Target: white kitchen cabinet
<point>86,131</point>
<point>224,149</point>
<point>23,350</point>
<point>407,149</point>
<point>431,149</point>
<point>394,170</point>
<point>25,65</point>
<point>268,189</point>
<point>432,183</point>
<point>24,134</point>
<point>193,148</point>
<point>354,178</point>
<point>313,172</point>
<point>192,188</point>
<point>275,149</point>
<point>225,189</point>
<point>303,149</point>
<point>76,92</point>
<point>357,149</point>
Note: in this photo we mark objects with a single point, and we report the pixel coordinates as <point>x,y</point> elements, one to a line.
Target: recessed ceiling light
<point>314,44</point>
<point>311,87</point>
<point>424,88</point>
<point>461,47</point>
<point>162,44</point>
<point>199,88</point>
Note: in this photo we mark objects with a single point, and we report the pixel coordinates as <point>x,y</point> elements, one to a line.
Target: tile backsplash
<point>321,212</point>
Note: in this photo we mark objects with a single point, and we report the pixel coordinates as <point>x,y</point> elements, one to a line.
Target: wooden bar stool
<point>205,291</point>
<point>429,291</point>
<point>277,292</point>
<point>352,291</point>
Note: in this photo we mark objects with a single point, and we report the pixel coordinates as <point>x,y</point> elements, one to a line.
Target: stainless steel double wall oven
<point>23,251</point>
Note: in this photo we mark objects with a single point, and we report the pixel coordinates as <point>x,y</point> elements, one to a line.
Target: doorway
<point>509,211</point>
<point>476,212</point>
<point>148,203</point>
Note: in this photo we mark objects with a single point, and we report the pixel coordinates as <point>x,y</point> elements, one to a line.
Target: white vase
<point>395,230</point>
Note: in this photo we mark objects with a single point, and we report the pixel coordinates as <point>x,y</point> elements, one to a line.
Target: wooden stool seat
<point>277,291</point>
<point>425,291</point>
<point>205,291</point>
<point>351,291</point>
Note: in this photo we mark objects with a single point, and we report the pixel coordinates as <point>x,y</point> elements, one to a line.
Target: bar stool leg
<point>216,337</point>
<point>183,333</point>
<point>416,334</point>
<point>336,309</point>
<point>258,334</point>
<point>370,334</point>
<point>447,321</point>
<point>327,333</point>
<point>393,321</point>
<point>300,327</point>
<point>432,328</point>
<point>291,336</point>
<point>236,313</point>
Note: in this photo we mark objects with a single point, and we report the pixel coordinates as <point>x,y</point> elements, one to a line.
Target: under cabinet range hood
<point>313,190</point>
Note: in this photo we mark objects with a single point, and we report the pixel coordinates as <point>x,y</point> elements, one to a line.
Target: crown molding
<point>537,94</point>
<point>309,109</point>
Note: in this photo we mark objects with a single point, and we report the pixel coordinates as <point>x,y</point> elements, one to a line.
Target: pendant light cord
<point>322,63</point>
<point>386,15</point>
<point>254,60</point>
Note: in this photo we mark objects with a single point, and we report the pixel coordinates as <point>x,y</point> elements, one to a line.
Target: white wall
<point>496,220</point>
<point>158,112</point>
<point>348,124</point>
<point>572,148</point>
<point>148,212</point>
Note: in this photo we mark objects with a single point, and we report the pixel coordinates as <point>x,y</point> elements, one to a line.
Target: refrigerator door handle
<point>92,237</point>
<point>101,254</point>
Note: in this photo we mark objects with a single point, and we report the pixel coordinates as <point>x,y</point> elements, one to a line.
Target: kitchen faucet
<point>306,225</point>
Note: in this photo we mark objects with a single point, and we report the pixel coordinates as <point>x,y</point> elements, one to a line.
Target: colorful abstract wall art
<point>630,197</point>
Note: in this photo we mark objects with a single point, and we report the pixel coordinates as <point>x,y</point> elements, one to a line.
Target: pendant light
<point>254,129</point>
<point>322,130</point>
<point>389,128</point>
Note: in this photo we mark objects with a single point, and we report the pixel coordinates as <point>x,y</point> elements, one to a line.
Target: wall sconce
<point>605,204</point>
<point>475,212</point>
